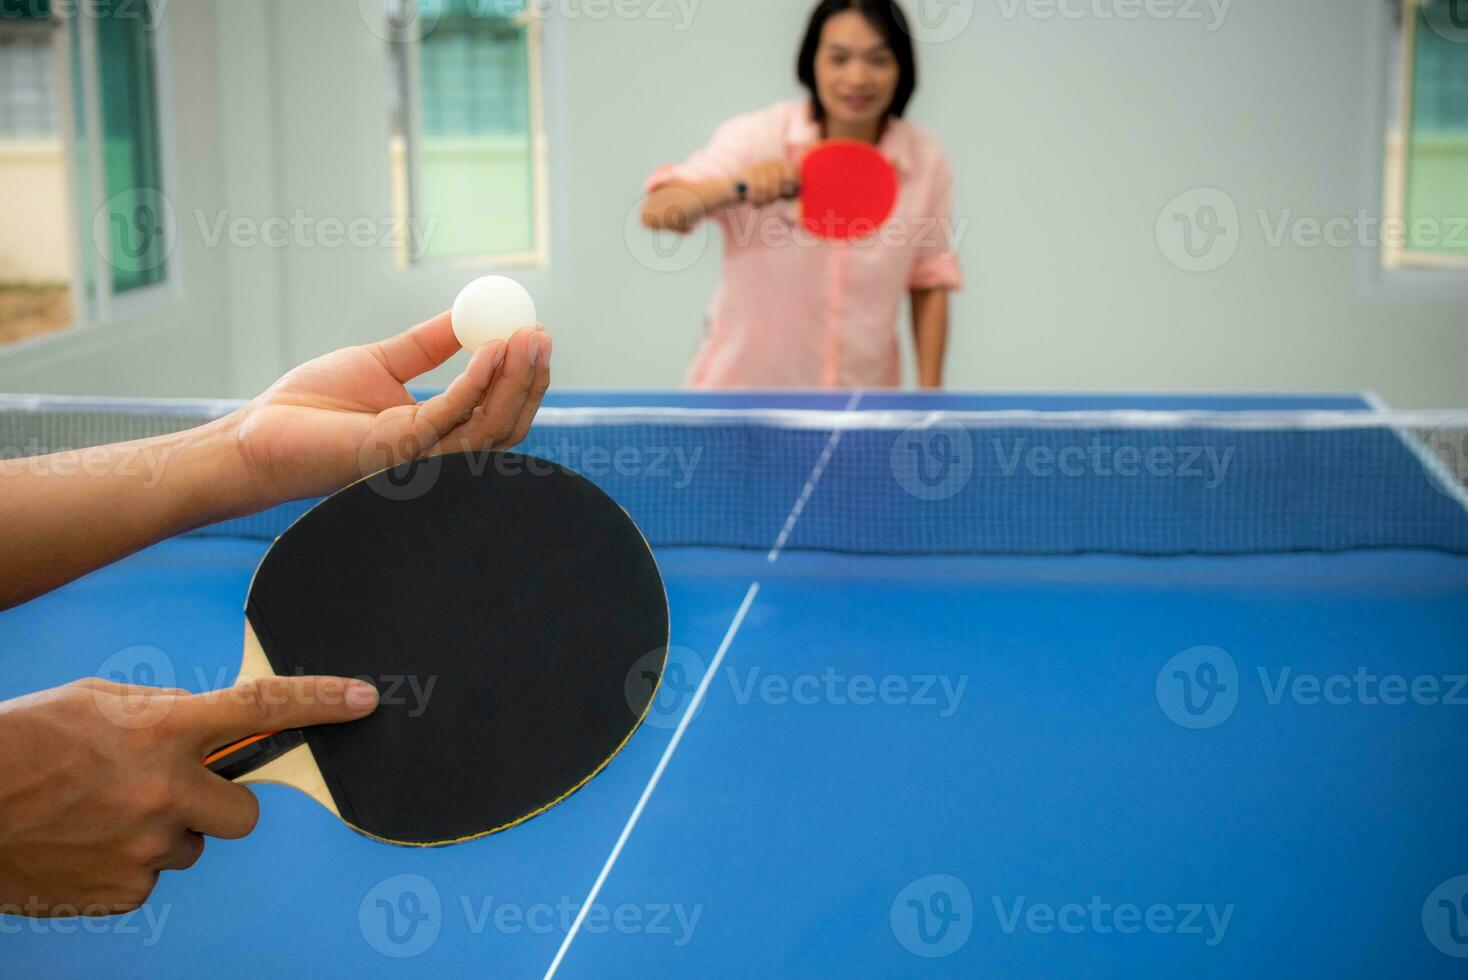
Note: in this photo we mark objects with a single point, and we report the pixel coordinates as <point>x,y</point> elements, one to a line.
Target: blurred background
<point>1151,195</point>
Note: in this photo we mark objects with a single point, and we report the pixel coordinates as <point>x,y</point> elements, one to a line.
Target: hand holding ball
<point>492,308</point>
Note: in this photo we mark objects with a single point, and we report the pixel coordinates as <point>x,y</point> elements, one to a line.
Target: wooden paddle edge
<point>296,768</point>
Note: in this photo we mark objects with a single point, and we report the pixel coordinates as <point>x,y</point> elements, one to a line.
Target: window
<point>27,85</point>
<point>138,240</point>
<point>1427,153</point>
<point>467,149</point>
<point>84,220</point>
<point>35,251</point>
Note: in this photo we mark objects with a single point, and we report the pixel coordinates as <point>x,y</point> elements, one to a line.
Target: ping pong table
<point>883,760</point>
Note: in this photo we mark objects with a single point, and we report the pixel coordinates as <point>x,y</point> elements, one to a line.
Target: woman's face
<point>856,72</point>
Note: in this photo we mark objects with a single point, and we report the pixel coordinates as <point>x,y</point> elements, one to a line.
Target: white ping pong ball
<point>492,308</point>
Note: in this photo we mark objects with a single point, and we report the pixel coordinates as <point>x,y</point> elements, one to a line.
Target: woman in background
<point>792,310</point>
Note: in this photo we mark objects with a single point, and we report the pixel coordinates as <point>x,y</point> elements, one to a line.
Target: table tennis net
<point>1137,482</point>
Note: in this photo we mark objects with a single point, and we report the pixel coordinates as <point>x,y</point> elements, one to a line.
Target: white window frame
<point>538,256</point>
<point>1395,262</point>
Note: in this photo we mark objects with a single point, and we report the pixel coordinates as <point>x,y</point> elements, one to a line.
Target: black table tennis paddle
<point>499,602</point>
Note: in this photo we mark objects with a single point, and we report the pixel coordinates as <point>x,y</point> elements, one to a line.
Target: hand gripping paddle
<point>847,191</point>
<point>500,603</point>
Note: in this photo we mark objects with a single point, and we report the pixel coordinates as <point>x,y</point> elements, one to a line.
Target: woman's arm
<point>681,205</point>
<point>930,334</point>
<point>324,425</point>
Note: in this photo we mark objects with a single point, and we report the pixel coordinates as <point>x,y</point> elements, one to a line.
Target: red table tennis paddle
<point>501,604</point>
<point>847,191</point>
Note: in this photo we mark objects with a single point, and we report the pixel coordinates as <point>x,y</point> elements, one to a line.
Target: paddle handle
<point>248,754</point>
<point>741,192</point>
<point>244,756</point>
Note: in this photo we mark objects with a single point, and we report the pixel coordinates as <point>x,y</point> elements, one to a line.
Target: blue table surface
<point>949,766</point>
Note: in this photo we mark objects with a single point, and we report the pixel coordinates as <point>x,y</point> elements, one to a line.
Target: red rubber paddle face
<point>848,190</point>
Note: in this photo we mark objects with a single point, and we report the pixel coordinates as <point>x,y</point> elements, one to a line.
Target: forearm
<point>930,335</point>
<point>70,513</point>
<point>680,207</point>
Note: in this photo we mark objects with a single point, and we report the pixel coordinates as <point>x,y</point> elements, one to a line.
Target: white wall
<point>1068,137</point>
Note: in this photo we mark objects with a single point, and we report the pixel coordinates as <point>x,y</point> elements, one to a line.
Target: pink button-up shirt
<point>795,310</point>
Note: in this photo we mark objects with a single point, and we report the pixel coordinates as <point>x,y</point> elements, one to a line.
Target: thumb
<point>270,704</point>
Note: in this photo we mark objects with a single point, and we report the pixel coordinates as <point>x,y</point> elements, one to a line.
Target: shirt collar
<point>803,132</point>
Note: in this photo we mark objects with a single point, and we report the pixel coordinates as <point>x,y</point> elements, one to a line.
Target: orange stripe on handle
<point>232,749</point>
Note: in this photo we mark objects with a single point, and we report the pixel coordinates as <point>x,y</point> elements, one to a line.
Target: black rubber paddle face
<point>500,604</point>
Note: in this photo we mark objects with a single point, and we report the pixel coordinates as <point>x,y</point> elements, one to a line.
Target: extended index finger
<point>272,704</point>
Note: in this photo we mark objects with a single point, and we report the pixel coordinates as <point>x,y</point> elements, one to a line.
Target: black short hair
<point>890,22</point>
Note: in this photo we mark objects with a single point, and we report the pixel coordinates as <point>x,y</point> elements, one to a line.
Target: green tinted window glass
<point>1437,150</point>
<point>475,78</point>
<point>134,180</point>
